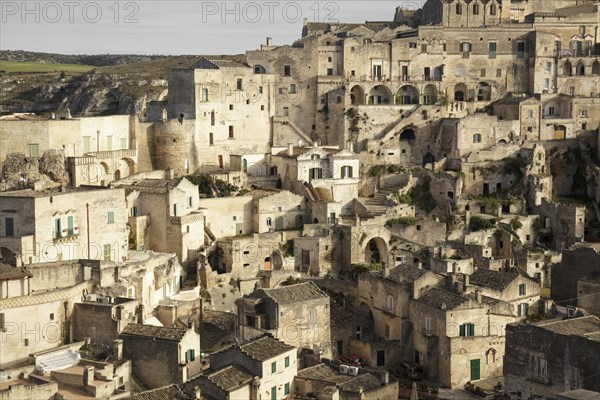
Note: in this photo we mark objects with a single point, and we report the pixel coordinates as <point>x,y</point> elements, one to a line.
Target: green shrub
<point>479,224</point>
<point>404,221</point>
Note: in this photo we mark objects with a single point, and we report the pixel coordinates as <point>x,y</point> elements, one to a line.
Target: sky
<point>171,27</point>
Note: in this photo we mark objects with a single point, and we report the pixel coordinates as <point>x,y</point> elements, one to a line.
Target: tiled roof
<point>295,293</point>
<point>53,191</point>
<point>360,383</point>
<point>265,348</point>
<point>8,272</point>
<point>154,185</point>
<point>584,326</point>
<point>157,332</point>
<point>403,273</point>
<point>442,299</point>
<point>230,377</point>
<point>164,393</point>
<point>496,280</point>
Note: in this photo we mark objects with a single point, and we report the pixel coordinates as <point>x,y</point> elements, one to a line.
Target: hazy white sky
<point>171,27</point>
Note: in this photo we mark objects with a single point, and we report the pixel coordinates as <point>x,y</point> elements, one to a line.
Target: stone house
<point>99,150</point>
<point>161,355</point>
<point>14,281</point>
<point>278,211</point>
<point>549,357</point>
<point>588,293</point>
<point>296,314</point>
<point>327,380</point>
<point>55,224</point>
<point>313,251</point>
<point>171,392</point>
<point>262,368</point>
<point>238,220</point>
<point>514,288</point>
<point>578,261</point>
<point>459,338</point>
<point>164,216</point>
<point>384,298</point>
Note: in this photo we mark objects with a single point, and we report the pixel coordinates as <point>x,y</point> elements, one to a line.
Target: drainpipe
<point>87,207</point>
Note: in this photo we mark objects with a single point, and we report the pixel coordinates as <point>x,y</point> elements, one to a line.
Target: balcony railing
<point>112,153</point>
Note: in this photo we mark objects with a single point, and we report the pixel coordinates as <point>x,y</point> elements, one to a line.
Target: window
<point>315,156</point>
<point>287,70</point>
<point>465,48</point>
<point>287,361</point>
<point>498,73</point>
<point>390,303</point>
<point>539,367</point>
<point>466,330</point>
<point>493,9</point>
<point>204,94</point>
<point>551,110</point>
<point>109,143</point>
<point>329,71</point>
<point>522,290</point>
<point>286,389</point>
<point>571,90</point>
<point>123,143</point>
<point>190,355</point>
<point>231,107</point>
<point>427,326</point>
<point>239,84</point>
<point>231,131</point>
<point>34,150</point>
<point>329,59</point>
<point>523,309</point>
<point>174,210</point>
<point>189,201</point>
<point>111,217</point>
<point>548,66</point>
<point>87,144</point>
<point>492,50</point>
<point>475,9</point>
<point>483,73</point>
<point>412,45</point>
<point>51,316</point>
<point>274,367</point>
<point>346,172</point>
<point>584,113</point>
<point>477,138</point>
<point>521,50</point>
<point>424,48</point>
<point>458,9</point>
<point>269,221</point>
<point>293,88</point>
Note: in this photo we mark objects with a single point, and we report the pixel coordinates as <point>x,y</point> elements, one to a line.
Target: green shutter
<point>471,329</point>
<point>461,330</point>
<point>192,355</point>
<point>286,389</point>
<point>274,393</point>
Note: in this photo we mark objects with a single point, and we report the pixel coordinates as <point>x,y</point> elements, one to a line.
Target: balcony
<point>110,154</point>
<point>66,235</point>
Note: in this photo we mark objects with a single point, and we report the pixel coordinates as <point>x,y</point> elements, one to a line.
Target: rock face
<point>21,172</point>
<point>52,164</point>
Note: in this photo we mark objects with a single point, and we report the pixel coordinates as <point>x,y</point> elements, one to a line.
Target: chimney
<point>140,314</point>
<point>88,375</point>
<point>118,349</point>
<point>443,306</point>
<point>300,142</point>
<point>68,114</point>
<point>478,296</point>
<point>269,41</point>
<point>197,392</point>
<point>290,149</point>
<point>315,144</point>
<point>465,282</point>
<point>385,377</point>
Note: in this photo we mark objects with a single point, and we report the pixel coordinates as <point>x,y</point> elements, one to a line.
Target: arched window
<point>269,221</point>
<point>390,303</point>
<point>458,8</point>
<point>475,9</point>
<point>259,69</point>
<point>493,9</point>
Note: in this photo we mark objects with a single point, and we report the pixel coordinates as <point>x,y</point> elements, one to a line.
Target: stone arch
<point>105,167</point>
<point>407,94</point>
<point>596,67</point>
<point>324,194</point>
<point>560,131</point>
<point>490,355</point>
<point>365,320</point>
<point>484,91</point>
<point>315,220</point>
<point>376,251</point>
<point>8,256</point>
<point>380,94</point>
<point>460,92</point>
<point>357,95</point>
<point>127,166</point>
<point>430,94</point>
<point>408,134</point>
<point>567,68</point>
<point>580,68</point>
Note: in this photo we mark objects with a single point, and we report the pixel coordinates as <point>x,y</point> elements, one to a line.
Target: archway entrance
<point>376,251</point>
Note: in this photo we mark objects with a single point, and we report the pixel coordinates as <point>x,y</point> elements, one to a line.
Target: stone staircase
<point>380,203</point>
